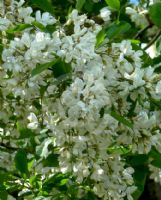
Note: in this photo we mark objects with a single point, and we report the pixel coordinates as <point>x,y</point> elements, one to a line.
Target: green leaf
<point>145,57</point>
<point>21,161</point>
<point>155,14</point>
<point>56,180</point>
<point>156,103</point>
<point>3,176</point>
<point>51,161</point>
<point>100,37</point>
<point>45,5</point>
<point>3,193</point>
<point>80,4</point>
<point>156,156</point>
<point>41,67</point>
<point>113,4</point>
<point>60,68</point>
<point>30,163</point>
<point>121,119</point>
<point>117,29</point>
<point>157,60</point>
<point>121,150</point>
<point>39,25</point>
<point>24,132</point>
<point>132,109</point>
<point>139,176</point>
<point>19,28</point>
<point>137,160</point>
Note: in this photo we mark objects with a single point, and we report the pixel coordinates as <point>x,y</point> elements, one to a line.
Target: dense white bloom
<point>81,108</point>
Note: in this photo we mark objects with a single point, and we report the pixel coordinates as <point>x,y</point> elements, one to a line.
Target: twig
<point>153,40</point>
<point>142,31</point>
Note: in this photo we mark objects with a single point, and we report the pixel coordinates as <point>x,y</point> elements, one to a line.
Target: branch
<point>142,31</point>
<point>153,40</point>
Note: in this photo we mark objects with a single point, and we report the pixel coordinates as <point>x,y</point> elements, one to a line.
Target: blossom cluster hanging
<point>88,99</point>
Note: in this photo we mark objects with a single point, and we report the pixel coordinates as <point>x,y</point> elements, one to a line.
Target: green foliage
<point>45,5</point>
<point>21,162</point>
<point>155,14</point>
<point>115,31</point>
<point>113,4</point>
<point>80,4</point>
<point>19,28</point>
<point>41,67</point>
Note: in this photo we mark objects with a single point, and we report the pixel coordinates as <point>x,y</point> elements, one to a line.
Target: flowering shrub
<point>80,99</point>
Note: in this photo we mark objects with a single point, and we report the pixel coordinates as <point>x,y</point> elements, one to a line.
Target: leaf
<point>156,103</point>
<point>113,4</point>
<point>116,29</point>
<point>157,60</point>
<point>19,28</point>
<point>21,161</point>
<point>156,156</point>
<point>39,26</point>
<point>80,4</point>
<point>140,164</point>
<point>56,180</point>
<point>139,176</point>
<point>51,161</point>
<point>121,119</point>
<point>137,160</point>
<point>145,57</point>
<point>45,5</point>
<point>30,163</point>
<point>132,109</point>
<point>24,132</point>
<point>155,14</point>
<point>60,68</point>
<point>3,193</point>
<point>121,150</point>
<point>41,67</point>
<point>100,37</point>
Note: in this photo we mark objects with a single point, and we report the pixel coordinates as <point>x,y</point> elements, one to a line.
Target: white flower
<point>158,88</point>
<point>136,77</point>
<point>138,18</point>
<point>33,121</point>
<point>25,14</point>
<point>105,14</point>
<point>4,24</point>
<point>45,18</point>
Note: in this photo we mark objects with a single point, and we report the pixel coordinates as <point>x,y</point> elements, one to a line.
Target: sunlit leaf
<point>19,28</point>
<point>113,4</point>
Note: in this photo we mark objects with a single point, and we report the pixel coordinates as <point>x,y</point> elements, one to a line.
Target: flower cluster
<point>80,107</point>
